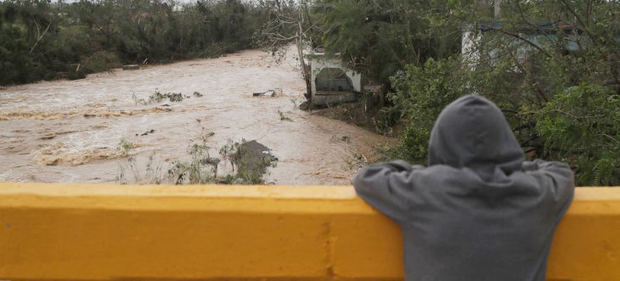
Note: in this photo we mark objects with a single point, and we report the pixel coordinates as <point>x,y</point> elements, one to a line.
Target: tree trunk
<point>300,53</point>
<point>304,70</point>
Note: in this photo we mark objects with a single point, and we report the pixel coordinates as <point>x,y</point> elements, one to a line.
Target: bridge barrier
<point>112,232</point>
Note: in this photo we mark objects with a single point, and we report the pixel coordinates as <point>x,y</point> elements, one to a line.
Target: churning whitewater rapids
<point>71,131</point>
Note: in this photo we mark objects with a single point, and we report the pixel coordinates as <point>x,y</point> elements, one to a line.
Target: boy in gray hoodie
<point>478,211</point>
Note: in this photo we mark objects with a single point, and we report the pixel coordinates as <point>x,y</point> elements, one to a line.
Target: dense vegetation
<point>381,37</point>
<point>552,66</point>
<point>40,39</point>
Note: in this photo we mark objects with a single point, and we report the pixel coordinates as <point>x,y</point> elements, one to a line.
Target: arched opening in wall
<point>333,79</point>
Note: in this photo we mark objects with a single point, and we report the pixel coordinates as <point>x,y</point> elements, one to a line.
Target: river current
<point>74,131</point>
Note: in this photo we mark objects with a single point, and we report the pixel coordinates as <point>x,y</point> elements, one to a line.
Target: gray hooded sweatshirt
<point>479,211</point>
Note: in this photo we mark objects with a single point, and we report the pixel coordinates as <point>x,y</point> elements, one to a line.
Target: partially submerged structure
<point>331,81</point>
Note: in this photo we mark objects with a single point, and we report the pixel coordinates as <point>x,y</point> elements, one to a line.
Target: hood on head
<point>473,133</point>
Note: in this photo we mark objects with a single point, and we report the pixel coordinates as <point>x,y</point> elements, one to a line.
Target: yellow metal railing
<point>104,232</point>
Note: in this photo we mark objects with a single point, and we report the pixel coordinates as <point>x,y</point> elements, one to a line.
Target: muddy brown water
<point>69,131</point>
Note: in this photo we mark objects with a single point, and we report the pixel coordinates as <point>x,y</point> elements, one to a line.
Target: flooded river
<point>75,131</point>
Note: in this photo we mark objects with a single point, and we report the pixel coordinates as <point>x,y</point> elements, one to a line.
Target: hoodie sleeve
<point>557,181</point>
<point>386,187</point>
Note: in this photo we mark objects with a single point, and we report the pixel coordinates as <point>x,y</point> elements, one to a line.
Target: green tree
<point>48,40</point>
<point>551,66</point>
<point>421,92</point>
<point>378,38</point>
<point>580,126</point>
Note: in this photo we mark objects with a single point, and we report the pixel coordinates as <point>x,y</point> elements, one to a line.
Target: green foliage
<point>557,84</point>
<point>132,172</point>
<point>124,146</point>
<point>99,61</point>
<point>421,93</point>
<point>379,37</point>
<point>14,60</point>
<point>580,126</point>
<point>40,39</point>
<point>249,165</point>
<point>201,169</point>
<point>172,97</point>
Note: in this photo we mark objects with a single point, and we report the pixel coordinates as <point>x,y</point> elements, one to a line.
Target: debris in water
<point>255,155</point>
<point>54,135</point>
<point>147,133</point>
<point>173,97</point>
<point>284,117</point>
<point>269,93</point>
<point>345,139</point>
<point>306,105</point>
<point>131,67</point>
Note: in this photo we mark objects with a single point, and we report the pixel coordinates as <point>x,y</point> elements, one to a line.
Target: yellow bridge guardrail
<point>107,232</point>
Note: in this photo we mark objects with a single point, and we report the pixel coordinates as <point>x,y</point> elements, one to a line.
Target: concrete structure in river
<point>331,81</point>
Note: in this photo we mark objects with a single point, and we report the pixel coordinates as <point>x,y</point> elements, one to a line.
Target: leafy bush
<point>420,95</point>
<point>557,84</point>
<point>580,126</point>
